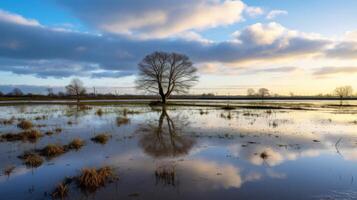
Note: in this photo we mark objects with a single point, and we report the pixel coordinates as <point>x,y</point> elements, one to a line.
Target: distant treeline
<point>17,94</point>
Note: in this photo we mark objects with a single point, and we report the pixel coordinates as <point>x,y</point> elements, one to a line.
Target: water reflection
<point>179,153</point>
<point>164,139</point>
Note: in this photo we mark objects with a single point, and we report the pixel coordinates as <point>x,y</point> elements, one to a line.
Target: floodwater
<point>209,153</point>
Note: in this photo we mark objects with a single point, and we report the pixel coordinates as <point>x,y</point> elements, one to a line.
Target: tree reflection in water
<point>165,139</point>
<point>163,142</point>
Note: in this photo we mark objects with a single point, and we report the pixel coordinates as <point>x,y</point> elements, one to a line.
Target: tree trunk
<point>163,99</point>
<point>77,99</point>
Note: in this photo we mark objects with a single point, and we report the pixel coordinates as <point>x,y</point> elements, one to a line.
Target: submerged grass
<point>101,138</point>
<point>122,120</point>
<point>99,112</point>
<point>31,159</point>
<point>8,170</point>
<point>25,124</point>
<point>52,150</point>
<point>91,179</point>
<point>27,135</point>
<point>61,191</point>
<point>75,144</point>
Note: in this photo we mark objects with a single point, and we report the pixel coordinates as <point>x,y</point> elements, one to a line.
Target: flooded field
<point>142,152</point>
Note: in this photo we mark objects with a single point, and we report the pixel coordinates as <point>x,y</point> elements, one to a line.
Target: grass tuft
<point>31,159</point>
<point>8,170</point>
<point>122,121</point>
<point>25,124</point>
<point>91,179</point>
<point>27,135</point>
<point>99,112</point>
<point>52,150</point>
<point>60,192</point>
<point>76,144</point>
<point>101,138</point>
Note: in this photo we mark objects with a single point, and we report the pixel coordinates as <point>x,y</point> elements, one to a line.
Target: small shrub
<point>76,144</point>
<point>101,138</point>
<point>25,124</point>
<point>122,121</point>
<point>52,150</point>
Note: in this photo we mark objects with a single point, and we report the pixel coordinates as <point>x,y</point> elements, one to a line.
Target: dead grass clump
<point>101,138</point>
<point>43,117</point>
<point>84,107</point>
<point>122,121</point>
<point>11,137</point>
<point>91,179</point>
<point>60,192</point>
<point>25,124</point>
<point>99,112</point>
<point>8,170</point>
<point>31,159</point>
<point>52,150</point>
<point>31,135</point>
<point>75,144</point>
<point>49,133</point>
<point>28,135</point>
<point>58,130</point>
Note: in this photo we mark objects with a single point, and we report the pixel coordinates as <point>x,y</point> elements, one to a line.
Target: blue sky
<point>235,44</point>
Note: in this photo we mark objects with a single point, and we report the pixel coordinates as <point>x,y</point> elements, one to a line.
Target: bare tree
<point>263,92</point>
<point>166,73</point>
<point>76,88</point>
<point>17,92</point>
<point>50,92</point>
<point>343,91</point>
<point>250,92</point>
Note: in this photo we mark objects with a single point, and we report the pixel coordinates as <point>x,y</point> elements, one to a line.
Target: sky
<point>301,46</point>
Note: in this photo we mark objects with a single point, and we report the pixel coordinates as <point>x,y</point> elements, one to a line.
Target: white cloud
<point>254,11</point>
<point>274,13</point>
<point>159,19</point>
<point>17,19</point>
<point>262,34</point>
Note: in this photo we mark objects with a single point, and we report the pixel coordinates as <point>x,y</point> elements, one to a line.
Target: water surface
<point>213,153</point>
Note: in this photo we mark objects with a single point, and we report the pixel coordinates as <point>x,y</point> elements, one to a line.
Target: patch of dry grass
<point>61,191</point>
<point>58,130</point>
<point>52,150</point>
<point>8,170</point>
<point>27,135</point>
<point>91,179</point>
<point>25,124</point>
<point>75,144</point>
<point>122,120</point>
<point>31,159</point>
<point>101,138</point>
<point>99,112</point>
